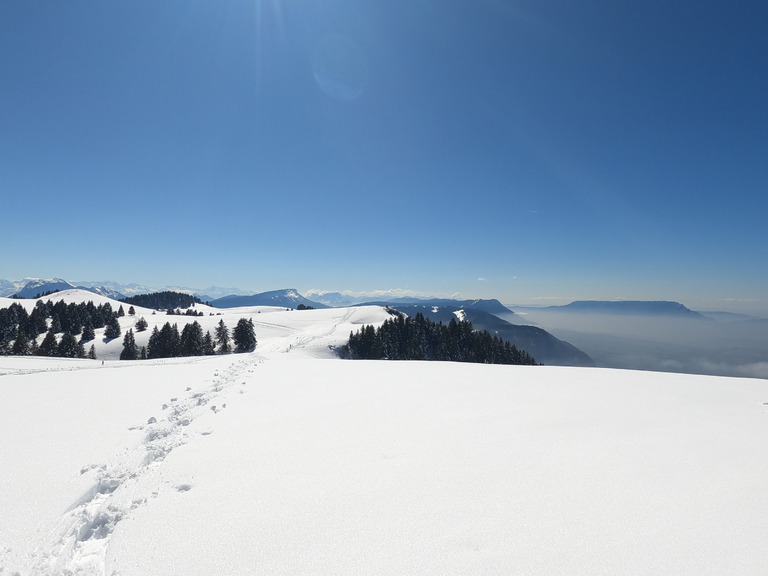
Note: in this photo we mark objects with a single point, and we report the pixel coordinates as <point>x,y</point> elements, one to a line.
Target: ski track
<point>308,339</point>
<point>78,544</point>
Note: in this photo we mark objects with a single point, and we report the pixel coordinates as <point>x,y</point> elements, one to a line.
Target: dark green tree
<point>49,346</point>
<point>209,349</point>
<point>192,340</point>
<point>130,350</point>
<point>154,347</point>
<point>92,352</point>
<point>88,332</point>
<point>21,344</point>
<point>112,330</point>
<point>141,324</point>
<point>244,336</point>
<point>69,347</point>
<point>222,338</point>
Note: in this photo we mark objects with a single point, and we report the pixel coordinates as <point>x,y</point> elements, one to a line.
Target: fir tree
<point>208,347</point>
<point>153,347</point>
<point>192,340</point>
<point>131,311</point>
<point>244,336</point>
<point>69,347</point>
<point>222,337</point>
<point>88,332</point>
<point>130,350</point>
<point>141,324</point>
<point>49,346</point>
<point>21,344</point>
<point>92,352</point>
<point>112,330</point>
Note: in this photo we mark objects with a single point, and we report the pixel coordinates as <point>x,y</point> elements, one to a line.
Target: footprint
<point>184,487</point>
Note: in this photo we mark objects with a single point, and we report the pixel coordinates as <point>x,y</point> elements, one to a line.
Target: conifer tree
<point>92,352</point>
<point>21,344</point>
<point>69,347</point>
<point>222,337</point>
<point>112,330</point>
<point>141,324</point>
<point>192,340</point>
<point>153,347</point>
<point>49,346</point>
<point>208,347</point>
<point>88,332</point>
<point>244,336</point>
<point>130,350</point>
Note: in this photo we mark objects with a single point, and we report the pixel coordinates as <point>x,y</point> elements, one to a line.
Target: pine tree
<point>153,347</point>
<point>21,344</point>
<point>244,336</point>
<point>120,311</point>
<point>69,347</point>
<point>222,337</point>
<point>49,346</point>
<point>208,347</point>
<point>130,350</point>
<point>92,352</point>
<point>141,324</point>
<point>37,324</point>
<point>88,332</point>
<point>192,340</point>
<point>112,330</point>
<point>131,311</point>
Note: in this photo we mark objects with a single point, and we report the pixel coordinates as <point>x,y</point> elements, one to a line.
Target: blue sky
<point>534,152</point>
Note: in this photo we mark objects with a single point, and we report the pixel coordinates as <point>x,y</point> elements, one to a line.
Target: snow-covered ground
<point>289,461</point>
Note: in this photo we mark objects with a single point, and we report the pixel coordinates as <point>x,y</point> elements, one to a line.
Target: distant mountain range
<point>287,298</point>
<point>33,287</point>
<point>490,306</point>
<point>635,307</point>
<point>30,287</point>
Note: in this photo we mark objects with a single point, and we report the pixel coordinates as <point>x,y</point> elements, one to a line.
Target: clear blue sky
<point>522,150</point>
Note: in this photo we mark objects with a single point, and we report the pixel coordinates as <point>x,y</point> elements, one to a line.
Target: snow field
<point>285,461</point>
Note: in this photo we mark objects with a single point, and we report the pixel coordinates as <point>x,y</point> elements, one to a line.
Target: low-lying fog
<point>723,345</point>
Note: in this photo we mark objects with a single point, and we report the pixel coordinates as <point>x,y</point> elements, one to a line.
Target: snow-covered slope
<point>282,462</point>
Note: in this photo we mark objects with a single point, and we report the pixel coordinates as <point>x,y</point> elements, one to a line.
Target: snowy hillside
<point>288,461</point>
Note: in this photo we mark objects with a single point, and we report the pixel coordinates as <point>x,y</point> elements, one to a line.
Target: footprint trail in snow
<point>79,543</point>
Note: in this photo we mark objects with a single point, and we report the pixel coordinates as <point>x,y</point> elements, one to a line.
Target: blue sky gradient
<point>531,151</point>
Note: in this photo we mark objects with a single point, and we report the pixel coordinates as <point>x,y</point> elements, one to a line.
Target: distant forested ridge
<point>406,338</point>
<point>163,300</point>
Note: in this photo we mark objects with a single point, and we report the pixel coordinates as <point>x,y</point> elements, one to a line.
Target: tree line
<point>166,300</point>
<point>168,342</point>
<point>19,329</point>
<point>419,338</point>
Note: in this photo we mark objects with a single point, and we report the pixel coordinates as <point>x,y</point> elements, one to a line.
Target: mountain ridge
<point>286,298</point>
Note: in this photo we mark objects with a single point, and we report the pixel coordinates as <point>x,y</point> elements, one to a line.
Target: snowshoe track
<point>78,544</point>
